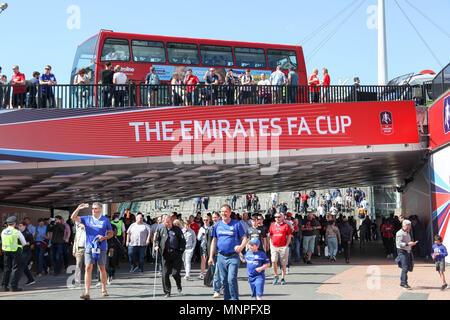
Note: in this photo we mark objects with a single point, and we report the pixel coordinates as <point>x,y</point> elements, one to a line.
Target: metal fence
<point>440,83</point>
<point>103,96</point>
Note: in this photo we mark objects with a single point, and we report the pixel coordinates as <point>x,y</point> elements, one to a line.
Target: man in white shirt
<point>138,238</point>
<point>264,91</point>
<point>119,94</point>
<point>274,197</point>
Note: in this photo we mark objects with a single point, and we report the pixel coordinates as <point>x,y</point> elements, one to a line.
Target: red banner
<point>439,122</point>
<point>161,132</point>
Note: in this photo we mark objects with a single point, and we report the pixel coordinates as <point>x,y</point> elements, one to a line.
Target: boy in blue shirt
<point>439,253</point>
<point>257,262</point>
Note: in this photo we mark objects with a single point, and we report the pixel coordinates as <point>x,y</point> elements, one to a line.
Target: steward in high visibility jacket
<point>120,227</point>
<point>12,242</point>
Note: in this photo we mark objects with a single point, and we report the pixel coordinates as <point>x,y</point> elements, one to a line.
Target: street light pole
<point>382,51</point>
<point>3,7</point>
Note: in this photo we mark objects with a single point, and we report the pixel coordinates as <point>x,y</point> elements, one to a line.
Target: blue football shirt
<point>228,235</point>
<point>94,228</point>
<point>255,260</point>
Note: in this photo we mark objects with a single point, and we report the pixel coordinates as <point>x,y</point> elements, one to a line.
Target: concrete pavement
<point>369,276</point>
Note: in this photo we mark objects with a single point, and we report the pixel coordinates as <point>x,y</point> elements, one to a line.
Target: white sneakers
<point>216,295</point>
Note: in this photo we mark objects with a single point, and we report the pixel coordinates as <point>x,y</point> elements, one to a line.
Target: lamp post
<point>382,51</point>
<point>3,7</point>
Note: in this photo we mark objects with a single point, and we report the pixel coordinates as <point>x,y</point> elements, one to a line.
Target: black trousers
<point>297,205</point>
<point>346,247</point>
<point>107,96</point>
<point>113,261</point>
<point>23,268</point>
<point>172,262</point>
<point>11,265</point>
<point>48,100</point>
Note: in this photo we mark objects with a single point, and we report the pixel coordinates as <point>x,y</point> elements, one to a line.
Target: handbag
<point>209,277</point>
<point>326,251</point>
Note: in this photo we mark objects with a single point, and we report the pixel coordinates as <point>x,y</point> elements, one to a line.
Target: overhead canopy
<point>67,183</point>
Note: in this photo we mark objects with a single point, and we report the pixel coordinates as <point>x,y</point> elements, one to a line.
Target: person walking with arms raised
<point>98,229</point>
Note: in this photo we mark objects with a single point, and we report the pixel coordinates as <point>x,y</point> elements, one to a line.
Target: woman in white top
<point>82,79</point>
<point>201,236</point>
<point>191,241</point>
<point>176,89</point>
<point>339,202</point>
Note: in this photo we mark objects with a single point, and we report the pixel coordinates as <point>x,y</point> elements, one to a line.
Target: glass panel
<point>148,51</point>
<point>84,58</point>
<point>250,57</point>
<point>115,50</point>
<point>285,58</point>
<point>216,55</point>
<point>183,53</point>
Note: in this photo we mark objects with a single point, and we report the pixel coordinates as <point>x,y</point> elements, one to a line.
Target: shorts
<point>203,251</point>
<point>440,265</point>
<point>89,260</point>
<point>257,286</point>
<point>308,244</point>
<point>279,252</point>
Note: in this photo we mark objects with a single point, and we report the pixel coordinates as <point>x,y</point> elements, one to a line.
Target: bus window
<point>182,53</point>
<point>84,57</point>
<point>148,51</point>
<point>250,57</point>
<point>285,58</point>
<point>220,56</point>
<point>115,49</point>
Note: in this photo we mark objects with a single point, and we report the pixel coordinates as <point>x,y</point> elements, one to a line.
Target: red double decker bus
<point>136,53</point>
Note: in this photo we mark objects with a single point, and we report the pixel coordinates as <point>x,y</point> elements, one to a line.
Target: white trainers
<point>200,276</point>
<point>216,295</point>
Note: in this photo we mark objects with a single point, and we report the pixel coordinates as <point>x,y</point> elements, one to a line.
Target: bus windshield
<point>84,58</point>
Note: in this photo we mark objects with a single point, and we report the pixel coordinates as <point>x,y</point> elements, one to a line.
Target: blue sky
<point>35,33</point>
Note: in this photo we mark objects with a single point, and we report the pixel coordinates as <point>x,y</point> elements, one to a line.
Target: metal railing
<point>103,96</point>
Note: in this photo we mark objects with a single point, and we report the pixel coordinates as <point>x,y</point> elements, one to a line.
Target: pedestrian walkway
<point>369,276</point>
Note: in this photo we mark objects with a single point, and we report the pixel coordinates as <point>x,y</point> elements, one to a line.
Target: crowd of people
<point>186,89</point>
<point>219,241</point>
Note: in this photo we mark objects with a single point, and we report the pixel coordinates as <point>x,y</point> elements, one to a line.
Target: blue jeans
<point>140,251</point>
<point>297,249</point>
<point>313,203</point>
<point>57,253</point>
<point>332,247</point>
<point>216,280</point>
<point>406,261</point>
<point>40,259</point>
<point>228,269</point>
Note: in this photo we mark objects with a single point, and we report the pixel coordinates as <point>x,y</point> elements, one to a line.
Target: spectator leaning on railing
<point>106,76</point>
<point>326,85</point>
<point>119,78</point>
<point>81,79</point>
<point>191,81</point>
<point>32,91</point>
<point>152,80</point>
<point>47,80</point>
<point>278,79</point>
<point>293,85</point>
<point>19,89</point>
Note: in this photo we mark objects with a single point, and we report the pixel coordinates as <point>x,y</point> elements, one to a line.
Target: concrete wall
<point>34,213</point>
